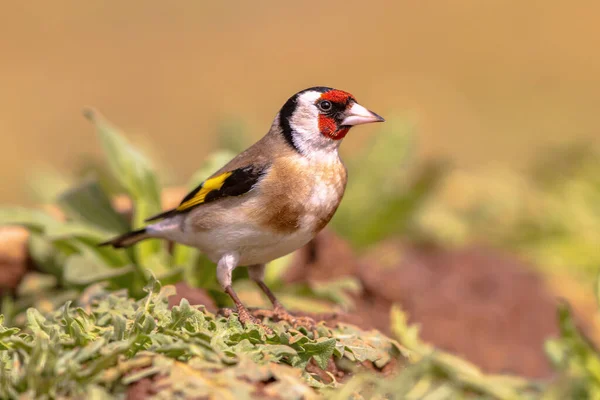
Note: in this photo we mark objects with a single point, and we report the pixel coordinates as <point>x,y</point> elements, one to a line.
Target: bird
<point>271,199</point>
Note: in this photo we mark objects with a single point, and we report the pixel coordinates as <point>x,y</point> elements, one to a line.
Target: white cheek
<point>305,120</point>
<point>305,124</point>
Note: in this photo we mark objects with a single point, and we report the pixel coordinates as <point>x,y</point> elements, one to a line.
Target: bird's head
<point>318,118</point>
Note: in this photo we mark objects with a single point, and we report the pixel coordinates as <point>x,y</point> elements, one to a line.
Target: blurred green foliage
<point>577,360</point>
<point>385,189</point>
<point>549,213</point>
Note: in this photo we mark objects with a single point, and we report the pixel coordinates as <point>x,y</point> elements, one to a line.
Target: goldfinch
<point>271,199</point>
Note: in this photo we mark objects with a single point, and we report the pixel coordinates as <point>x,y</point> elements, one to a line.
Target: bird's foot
<point>245,317</point>
<point>279,313</point>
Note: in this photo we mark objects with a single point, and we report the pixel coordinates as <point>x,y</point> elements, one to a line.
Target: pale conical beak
<point>358,115</point>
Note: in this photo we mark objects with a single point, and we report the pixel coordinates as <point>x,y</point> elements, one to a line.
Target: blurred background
<point>489,157</point>
<point>483,81</point>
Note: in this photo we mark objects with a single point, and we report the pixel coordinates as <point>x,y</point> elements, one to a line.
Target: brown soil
<point>478,303</point>
<point>142,389</point>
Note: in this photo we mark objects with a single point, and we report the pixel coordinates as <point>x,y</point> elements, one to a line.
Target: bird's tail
<point>127,239</point>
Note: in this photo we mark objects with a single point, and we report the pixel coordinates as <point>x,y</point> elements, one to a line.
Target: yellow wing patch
<point>207,186</point>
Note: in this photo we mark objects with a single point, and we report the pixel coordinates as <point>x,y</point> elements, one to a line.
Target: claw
<point>279,313</point>
<point>245,317</point>
<point>284,315</point>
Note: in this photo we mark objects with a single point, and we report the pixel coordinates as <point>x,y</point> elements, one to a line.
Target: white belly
<point>255,246</point>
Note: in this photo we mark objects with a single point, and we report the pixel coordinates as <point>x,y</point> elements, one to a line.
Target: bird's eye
<point>325,105</point>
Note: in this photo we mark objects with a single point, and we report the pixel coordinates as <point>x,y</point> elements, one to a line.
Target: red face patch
<point>328,126</point>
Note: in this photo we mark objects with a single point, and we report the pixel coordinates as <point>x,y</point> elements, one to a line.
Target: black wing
<point>226,184</point>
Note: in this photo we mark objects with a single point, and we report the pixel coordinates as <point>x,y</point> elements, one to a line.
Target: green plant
<point>106,341</point>
<point>67,249</point>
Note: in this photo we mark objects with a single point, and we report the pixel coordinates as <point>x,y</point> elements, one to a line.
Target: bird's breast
<point>289,206</point>
<point>302,195</point>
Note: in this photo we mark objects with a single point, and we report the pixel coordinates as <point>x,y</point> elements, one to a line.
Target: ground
<point>506,307</point>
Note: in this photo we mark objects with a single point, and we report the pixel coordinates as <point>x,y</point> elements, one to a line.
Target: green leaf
<point>171,276</point>
<point>203,274</point>
<point>88,203</point>
<point>134,173</point>
<point>36,321</point>
<point>34,220</point>
<point>47,255</point>
<point>338,290</point>
<point>180,314</point>
<point>81,270</point>
<point>7,332</point>
<point>279,350</point>
<point>69,230</point>
<point>394,215</point>
<point>408,335</point>
<point>321,351</point>
<point>276,269</point>
<point>184,256</point>
<point>100,255</point>
<point>361,350</point>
